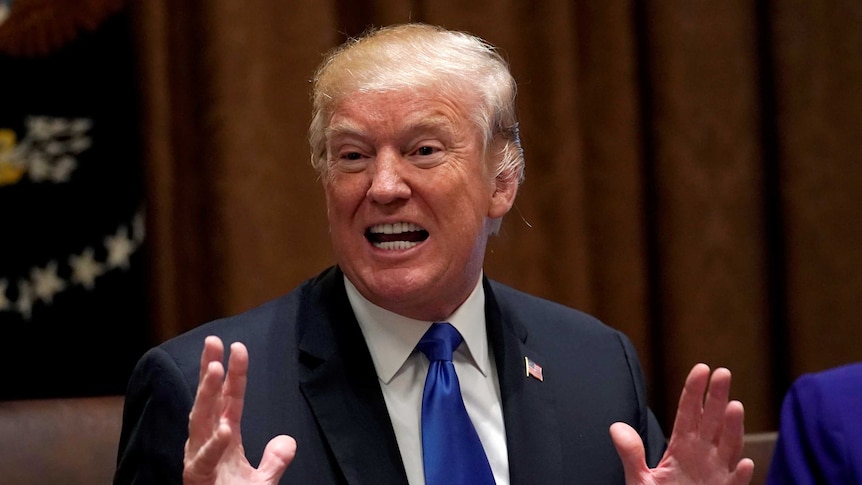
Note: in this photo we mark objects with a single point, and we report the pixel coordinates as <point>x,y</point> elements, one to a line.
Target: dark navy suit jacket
<point>311,376</point>
<point>820,436</point>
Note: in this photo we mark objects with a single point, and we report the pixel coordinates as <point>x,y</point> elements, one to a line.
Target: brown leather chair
<point>65,441</point>
<point>759,447</point>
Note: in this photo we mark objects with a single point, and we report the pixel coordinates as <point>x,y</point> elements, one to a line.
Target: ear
<point>505,190</point>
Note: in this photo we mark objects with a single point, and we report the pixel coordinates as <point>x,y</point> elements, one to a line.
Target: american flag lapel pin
<point>533,369</point>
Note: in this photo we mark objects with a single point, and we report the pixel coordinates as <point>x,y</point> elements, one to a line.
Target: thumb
<point>277,455</point>
<point>630,447</point>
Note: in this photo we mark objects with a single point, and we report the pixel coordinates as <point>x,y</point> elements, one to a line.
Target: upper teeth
<point>395,228</point>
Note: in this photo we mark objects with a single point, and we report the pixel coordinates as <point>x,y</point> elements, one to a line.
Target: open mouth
<point>399,235</point>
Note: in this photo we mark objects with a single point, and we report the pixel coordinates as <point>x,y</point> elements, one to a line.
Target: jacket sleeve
<point>652,435</point>
<point>155,422</point>
<point>819,418</point>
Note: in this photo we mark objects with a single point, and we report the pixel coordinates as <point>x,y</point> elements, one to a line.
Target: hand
<point>214,453</point>
<point>705,446</point>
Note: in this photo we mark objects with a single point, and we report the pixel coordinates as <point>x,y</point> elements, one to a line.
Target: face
<point>410,199</point>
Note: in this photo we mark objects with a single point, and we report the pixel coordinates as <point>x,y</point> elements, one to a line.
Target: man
<point>820,436</point>
<point>415,137</point>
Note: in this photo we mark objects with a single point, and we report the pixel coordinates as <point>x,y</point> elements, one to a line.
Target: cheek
<point>479,189</point>
<point>343,197</point>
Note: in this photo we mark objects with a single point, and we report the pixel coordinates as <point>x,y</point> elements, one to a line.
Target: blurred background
<point>693,176</point>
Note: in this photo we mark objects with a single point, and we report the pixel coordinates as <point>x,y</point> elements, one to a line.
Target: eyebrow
<point>343,128</point>
<point>430,123</point>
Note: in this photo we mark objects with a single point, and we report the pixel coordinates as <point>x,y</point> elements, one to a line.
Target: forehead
<point>400,110</point>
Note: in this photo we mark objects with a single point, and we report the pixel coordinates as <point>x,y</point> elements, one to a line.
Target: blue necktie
<point>451,448</point>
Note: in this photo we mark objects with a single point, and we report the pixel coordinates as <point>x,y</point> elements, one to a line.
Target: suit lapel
<point>338,379</point>
<point>532,434</point>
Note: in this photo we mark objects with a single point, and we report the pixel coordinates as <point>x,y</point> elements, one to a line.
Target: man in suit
<point>415,137</point>
<point>820,435</point>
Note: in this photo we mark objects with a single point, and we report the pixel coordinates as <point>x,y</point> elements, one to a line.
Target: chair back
<point>759,447</point>
<point>65,441</point>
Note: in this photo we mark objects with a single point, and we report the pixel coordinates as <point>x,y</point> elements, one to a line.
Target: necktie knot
<point>439,342</point>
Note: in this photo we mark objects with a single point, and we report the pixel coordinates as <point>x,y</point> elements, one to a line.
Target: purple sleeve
<point>820,435</point>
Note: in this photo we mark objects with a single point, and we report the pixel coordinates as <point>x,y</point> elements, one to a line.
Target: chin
<point>397,285</point>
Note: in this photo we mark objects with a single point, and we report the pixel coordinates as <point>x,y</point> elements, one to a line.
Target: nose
<point>387,181</point>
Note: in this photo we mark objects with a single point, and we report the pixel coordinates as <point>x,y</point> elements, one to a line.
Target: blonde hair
<point>412,56</point>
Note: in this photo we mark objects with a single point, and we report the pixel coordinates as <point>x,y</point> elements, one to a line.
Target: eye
<point>427,154</point>
<point>426,150</point>
<point>350,160</point>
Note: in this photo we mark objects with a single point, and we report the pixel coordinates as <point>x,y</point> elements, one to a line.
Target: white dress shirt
<point>401,371</point>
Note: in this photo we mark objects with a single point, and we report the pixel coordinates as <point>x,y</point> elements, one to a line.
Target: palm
<point>706,443</point>
<point>214,454</point>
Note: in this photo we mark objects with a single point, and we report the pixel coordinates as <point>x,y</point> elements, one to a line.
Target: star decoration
<point>39,127</point>
<point>63,169</point>
<point>46,283</point>
<point>79,143</point>
<point>85,268</point>
<point>40,168</point>
<point>120,247</point>
<point>54,148</point>
<point>25,299</point>
<point>80,125</point>
<point>48,150</point>
<point>59,126</point>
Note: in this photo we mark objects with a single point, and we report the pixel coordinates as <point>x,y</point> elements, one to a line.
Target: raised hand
<point>705,446</point>
<point>213,452</point>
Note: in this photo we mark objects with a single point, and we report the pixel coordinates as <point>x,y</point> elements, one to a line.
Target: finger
<point>235,383</point>
<point>213,351</point>
<point>201,465</point>
<point>204,416</point>
<point>743,473</point>
<point>714,406</point>
<point>277,455</point>
<point>733,433</point>
<point>630,448</point>
<point>688,414</point>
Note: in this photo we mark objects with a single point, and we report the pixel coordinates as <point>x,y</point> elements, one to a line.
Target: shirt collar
<point>391,338</point>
